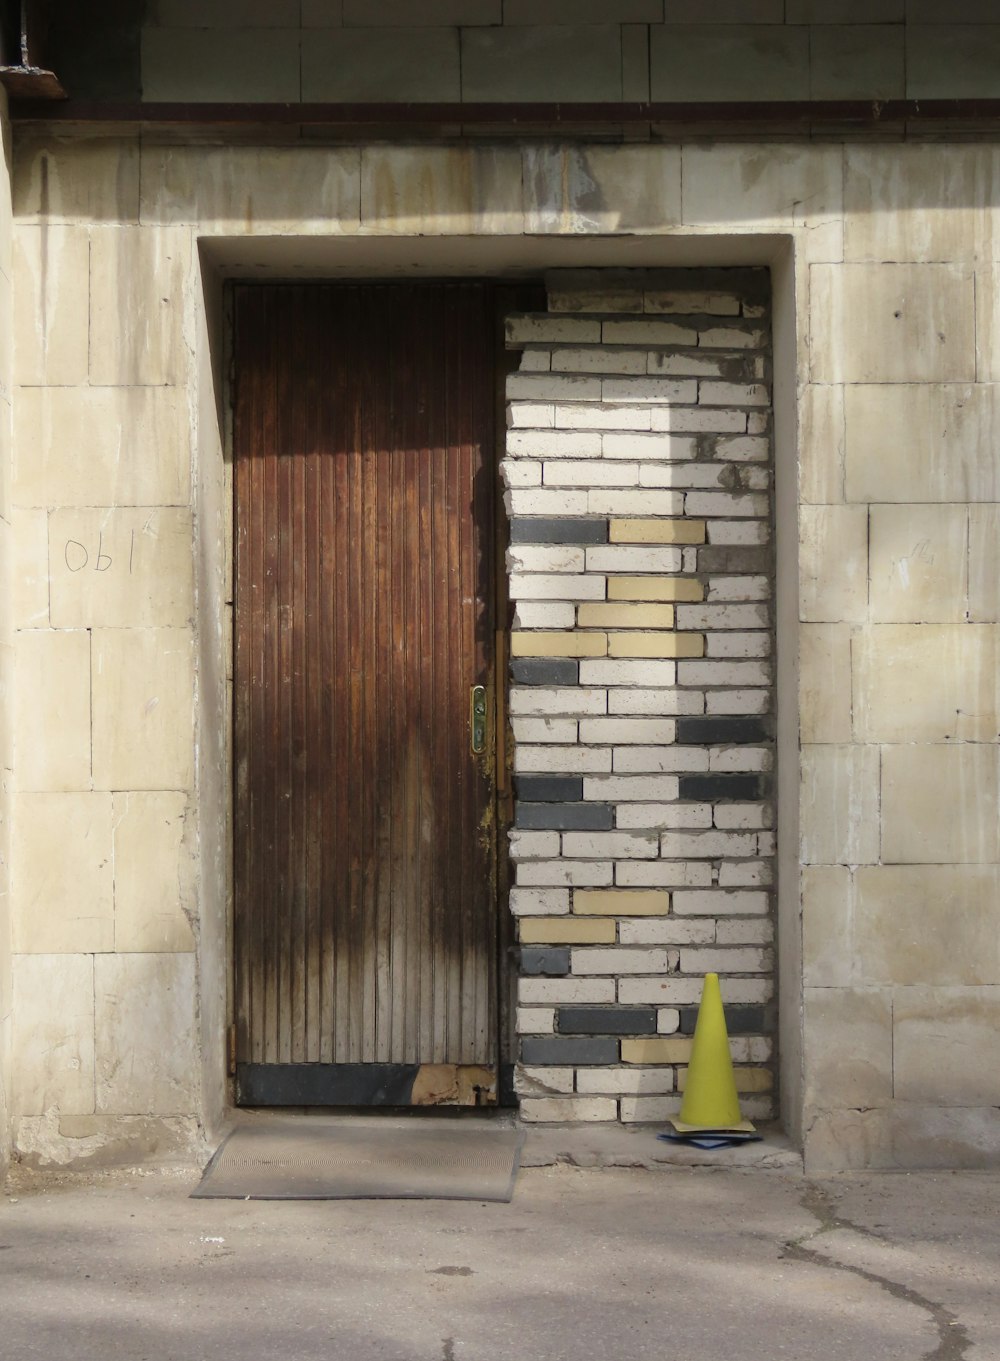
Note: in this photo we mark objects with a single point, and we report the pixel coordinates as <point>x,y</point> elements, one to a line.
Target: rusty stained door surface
<point>365,838</point>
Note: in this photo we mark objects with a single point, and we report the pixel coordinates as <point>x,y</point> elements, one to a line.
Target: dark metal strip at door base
<point>365,1084</point>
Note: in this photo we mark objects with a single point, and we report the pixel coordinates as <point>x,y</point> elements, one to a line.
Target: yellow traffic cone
<point>710,1100</point>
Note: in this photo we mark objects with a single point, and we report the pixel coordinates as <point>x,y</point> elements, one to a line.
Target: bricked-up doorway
<point>366,925</point>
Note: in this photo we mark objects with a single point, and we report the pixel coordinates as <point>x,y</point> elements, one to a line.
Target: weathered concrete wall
<point>6,636</point>
<point>885,349</point>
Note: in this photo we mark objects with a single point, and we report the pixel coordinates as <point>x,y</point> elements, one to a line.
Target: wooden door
<point>365,839</point>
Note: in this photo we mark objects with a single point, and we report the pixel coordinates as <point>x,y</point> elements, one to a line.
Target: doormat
<point>341,1160</point>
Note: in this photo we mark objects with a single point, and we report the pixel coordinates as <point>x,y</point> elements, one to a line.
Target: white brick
<point>744,449</point>
<point>548,503</point>
<point>629,671</point>
<point>628,787</point>
<point>550,387</point>
<point>626,558</point>
<point>534,361</point>
<point>555,586</point>
<point>544,614</point>
<point>531,415</point>
<point>680,474</point>
<point>573,473</point>
<point>625,1081</point>
<point>673,992</point>
<point>738,588</point>
<point>558,873</point>
<point>635,760</point>
<point>678,815</point>
<point>745,874</point>
<point>733,394</point>
<point>529,699</point>
<point>731,961</point>
<point>592,960</point>
<point>556,557</point>
<point>650,390</point>
<point>722,616</point>
<point>603,418</point>
<point>655,702</point>
<point>723,673</point>
<point>685,364</point>
<point>718,903</point>
<point>738,645</point>
<point>550,329</point>
<point>536,1081</point>
<point>743,816</point>
<point>571,1109</point>
<point>525,845</point>
<point>666,931</point>
<point>707,844</point>
<point>641,332</point>
<point>697,420</point>
<point>739,759</point>
<point>765,843</point>
<point>746,931</point>
<point>526,473</point>
<point>668,1020</point>
<point>535,1020</point>
<point>723,503</point>
<point>598,361</point>
<point>558,991</point>
<point>728,338</point>
<point>663,874</point>
<point>562,760</point>
<point>758,422</point>
<point>602,845</point>
<point>739,532</point>
<point>738,702</point>
<point>622,730</point>
<point>539,902</point>
<point>660,446</point>
<point>553,444</point>
<point>647,1109</point>
<point>635,503</point>
<point>545,729</point>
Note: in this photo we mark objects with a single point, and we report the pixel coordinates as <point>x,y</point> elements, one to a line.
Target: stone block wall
<point>638,476</point>
<point>6,636</point>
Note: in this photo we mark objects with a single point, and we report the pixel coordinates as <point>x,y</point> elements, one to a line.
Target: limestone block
<point>827,926</point>
<point>923,443</point>
<point>271,190</point>
<point>120,568</point>
<point>856,62</point>
<point>30,585</point>
<point>574,63</point>
<point>825,682</point>
<point>838,806</point>
<point>939,804</point>
<point>234,65</point>
<point>833,563</point>
<point>754,187</point>
<point>944,1045</point>
<point>51,272</point>
<point>146,1057</point>
<point>53,1005</point>
<point>944,1136</point>
<point>152,872</point>
<point>139,280</point>
<point>846,1140</point>
<point>927,924</point>
<point>988,314</point>
<point>576,189</point>
<point>821,444</point>
<point>101,447</point>
<point>984,563</point>
<point>925,683</point>
<point>376,65</point>
<point>731,61</point>
<point>919,323</point>
<point>919,556</point>
<point>79,180</point>
<point>52,711</point>
<point>142,690</point>
<point>63,901</point>
<point>919,202</point>
<point>848,1047</point>
<point>441,190</point>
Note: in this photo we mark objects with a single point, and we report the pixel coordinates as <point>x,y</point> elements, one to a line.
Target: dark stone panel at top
<point>549,788</point>
<point>720,731</point>
<point>705,788</point>
<point>606,1021</point>
<point>94,49</point>
<point>740,1020</point>
<point>561,530</point>
<point>544,671</point>
<point>542,961</point>
<point>564,817</point>
<point>724,557</point>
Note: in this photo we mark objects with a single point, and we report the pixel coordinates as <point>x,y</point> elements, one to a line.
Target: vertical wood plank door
<point>365,836</point>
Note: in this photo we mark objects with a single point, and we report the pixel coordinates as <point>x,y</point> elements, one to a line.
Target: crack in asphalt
<point>953,1337</point>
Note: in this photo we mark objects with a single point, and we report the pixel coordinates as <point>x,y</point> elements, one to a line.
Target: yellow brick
<point>601,615</point>
<point>657,531</point>
<point>564,930</point>
<point>655,588</point>
<point>747,1079</point>
<point>656,1051</point>
<point>656,645</point>
<point>545,644</point>
<point>622,902</point>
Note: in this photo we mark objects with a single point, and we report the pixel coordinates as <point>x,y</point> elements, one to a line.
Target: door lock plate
<point>477,718</point>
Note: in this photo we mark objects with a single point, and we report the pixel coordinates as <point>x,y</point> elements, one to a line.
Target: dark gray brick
<point>561,530</point>
<point>568,1049</point>
<point>736,558</point>
<point>720,731</point>
<point>705,788</point>
<point>543,961</point>
<point>606,1021</point>
<point>739,1020</point>
<point>544,671</point>
<point>560,817</point>
<point>549,788</point>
